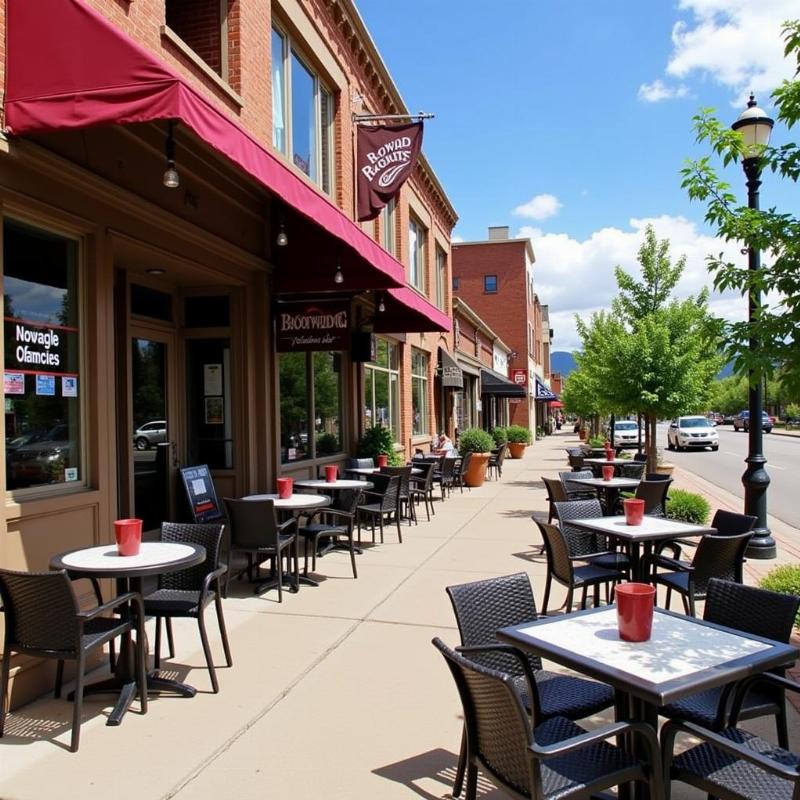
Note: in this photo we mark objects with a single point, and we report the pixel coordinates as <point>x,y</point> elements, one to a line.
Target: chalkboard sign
<point>200,493</point>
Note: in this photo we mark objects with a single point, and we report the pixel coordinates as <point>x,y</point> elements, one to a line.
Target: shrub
<point>375,441</point>
<point>327,444</point>
<point>500,435</point>
<point>688,507</point>
<point>475,440</point>
<point>596,441</point>
<point>784,580</point>
<point>518,434</point>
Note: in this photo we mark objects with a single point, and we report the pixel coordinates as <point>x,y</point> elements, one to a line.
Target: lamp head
<point>755,127</point>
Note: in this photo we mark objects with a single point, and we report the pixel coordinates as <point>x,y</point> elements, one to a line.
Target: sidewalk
<point>337,691</point>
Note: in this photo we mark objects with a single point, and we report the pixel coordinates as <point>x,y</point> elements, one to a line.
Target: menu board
<point>201,494</point>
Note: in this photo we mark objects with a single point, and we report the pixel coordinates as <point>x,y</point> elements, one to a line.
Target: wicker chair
<point>575,491</point>
<point>633,470</point>
<point>496,460</point>
<point>734,764</point>
<point>460,469</point>
<point>335,522</point>
<point>729,523</point>
<point>421,486</point>
<point>43,619</point>
<point>555,494</point>
<point>383,503</point>
<point>750,610</point>
<point>444,476</point>
<point>540,758</point>
<point>188,592</point>
<point>360,463</point>
<point>404,473</point>
<point>654,493</point>
<point>715,557</point>
<point>561,568</point>
<point>575,458</point>
<point>255,531</point>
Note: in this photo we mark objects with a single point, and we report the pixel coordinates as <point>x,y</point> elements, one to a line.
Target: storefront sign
<point>34,347</point>
<point>519,377</point>
<point>200,493</point>
<point>386,157</point>
<point>312,326</point>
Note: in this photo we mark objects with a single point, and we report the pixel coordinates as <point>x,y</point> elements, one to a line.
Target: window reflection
<point>327,403</point>
<point>294,406</point>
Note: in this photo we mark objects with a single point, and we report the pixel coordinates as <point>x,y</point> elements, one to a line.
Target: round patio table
<point>333,486</point>
<point>154,558</point>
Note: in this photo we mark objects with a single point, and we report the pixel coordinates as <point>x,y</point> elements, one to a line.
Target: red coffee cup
<point>331,473</point>
<point>285,488</point>
<point>635,603</point>
<point>128,533</point>
<point>609,455</point>
<point>608,472</point>
<point>382,460</point>
<point>634,510</point>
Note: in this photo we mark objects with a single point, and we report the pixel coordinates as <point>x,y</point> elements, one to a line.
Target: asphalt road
<point>725,467</point>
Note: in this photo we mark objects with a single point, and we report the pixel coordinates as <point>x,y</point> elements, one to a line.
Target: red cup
<point>634,510</point>
<point>128,533</point>
<point>608,472</point>
<point>382,460</point>
<point>609,455</point>
<point>635,603</point>
<point>331,473</point>
<point>285,488</point>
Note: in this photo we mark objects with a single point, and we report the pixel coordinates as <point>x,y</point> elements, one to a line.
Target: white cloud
<point>455,238</point>
<point>540,207</point>
<point>658,90</point>
<point>576,276</point>
<point>736,43</point>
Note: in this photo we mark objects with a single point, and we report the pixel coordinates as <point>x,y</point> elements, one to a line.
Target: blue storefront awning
<point>543,392</point>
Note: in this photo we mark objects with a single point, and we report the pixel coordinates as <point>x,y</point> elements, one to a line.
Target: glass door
<point>153,449</point>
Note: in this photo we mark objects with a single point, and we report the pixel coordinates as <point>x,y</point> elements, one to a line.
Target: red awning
<point>408,311</point>
<point>68,67</point>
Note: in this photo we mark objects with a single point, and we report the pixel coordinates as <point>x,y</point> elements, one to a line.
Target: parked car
<point>43,460</point>
<point>626,433</point>
<point>727,419</point>
<point>694,431</point>
<point>150,433</point>
<point>742,421</point>
<point>714,417</point>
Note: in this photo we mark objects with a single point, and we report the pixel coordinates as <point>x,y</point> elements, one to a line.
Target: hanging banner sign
<point>37,347</point>
<point>316,325</point>
<point>386,157</point>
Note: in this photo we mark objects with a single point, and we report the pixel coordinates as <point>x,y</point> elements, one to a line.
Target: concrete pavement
<point>336,691</point>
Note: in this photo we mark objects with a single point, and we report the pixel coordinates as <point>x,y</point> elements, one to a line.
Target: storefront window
<point>416,254</point>
<point>42,357</point>
<point>382,388</point>
<point>311,391</point>
<point>419,392</point>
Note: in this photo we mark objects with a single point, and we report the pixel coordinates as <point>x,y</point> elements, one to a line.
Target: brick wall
<point>198,23</point>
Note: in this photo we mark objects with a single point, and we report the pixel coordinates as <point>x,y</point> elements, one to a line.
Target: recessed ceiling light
<point>155,271</point>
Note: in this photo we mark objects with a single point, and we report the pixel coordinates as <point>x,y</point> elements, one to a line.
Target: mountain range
<point>563,362</point>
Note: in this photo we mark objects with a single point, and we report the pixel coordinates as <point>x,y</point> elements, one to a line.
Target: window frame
<point>486,284</point>
<point>324,113</point>
<point>416,260</point>
<point>389,227</point>
<point>441,277</point>
<point>390,372</point>
<point>421,357</point>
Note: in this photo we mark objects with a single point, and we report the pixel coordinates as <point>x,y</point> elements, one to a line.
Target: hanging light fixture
<point>337,276</point>
<point>381,305</point>
<point>282,240</point>
<point>171,179</point>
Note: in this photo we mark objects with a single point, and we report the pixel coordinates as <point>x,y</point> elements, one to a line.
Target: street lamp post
<point>755,127</point>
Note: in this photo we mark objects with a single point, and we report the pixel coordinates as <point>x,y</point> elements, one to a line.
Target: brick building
<point>170,201</point>
<point>496,278</point>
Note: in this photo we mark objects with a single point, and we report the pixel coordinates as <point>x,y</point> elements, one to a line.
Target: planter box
<point>476,472</point>
<point>665,469</point>
<point>516,449</point>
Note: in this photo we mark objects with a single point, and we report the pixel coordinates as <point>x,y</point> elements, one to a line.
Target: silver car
<point>150,433</point>
<point>693,431</point>
<point>626,433</point>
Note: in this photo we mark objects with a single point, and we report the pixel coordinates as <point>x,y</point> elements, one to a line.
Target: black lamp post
<point>755,127</point>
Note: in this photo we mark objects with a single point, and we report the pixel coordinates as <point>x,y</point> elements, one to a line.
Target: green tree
<point>776,235</point>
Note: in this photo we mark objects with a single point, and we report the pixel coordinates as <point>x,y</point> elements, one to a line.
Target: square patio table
<point>611,488</point>
<point>652,529</point>
<point>684,655</point>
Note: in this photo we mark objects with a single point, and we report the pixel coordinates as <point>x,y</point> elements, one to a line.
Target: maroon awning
<point>68,67</point>
<point>408,311</point>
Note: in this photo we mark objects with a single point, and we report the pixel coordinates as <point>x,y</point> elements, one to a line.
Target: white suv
<point>692,432</point>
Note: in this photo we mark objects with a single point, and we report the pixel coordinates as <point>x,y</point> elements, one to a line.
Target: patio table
<point>652,529</point>
<point>684,656</point>
<point>375,470</point>
<point>596,464</point>
<point>154,558</point>
<point>611,488</point>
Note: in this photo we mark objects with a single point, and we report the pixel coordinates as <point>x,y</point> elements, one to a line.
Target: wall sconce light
<point>381,305</point>
<point>282,239</point>
<point>171,178</point>
<point>337,276</point>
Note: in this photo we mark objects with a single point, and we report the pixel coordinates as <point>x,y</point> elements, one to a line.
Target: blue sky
<point>569,120</point>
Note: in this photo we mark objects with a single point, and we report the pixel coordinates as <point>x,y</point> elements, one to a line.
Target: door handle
<point>173,446</point>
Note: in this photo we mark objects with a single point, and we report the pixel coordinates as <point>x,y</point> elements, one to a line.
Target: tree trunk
<point>652,454</point>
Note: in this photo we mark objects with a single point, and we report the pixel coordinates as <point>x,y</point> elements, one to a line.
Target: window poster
<point>14,383</point>
<point>69,386</point>
<point>46,385</point>
<point>214,411</point>
<point>212,379</point>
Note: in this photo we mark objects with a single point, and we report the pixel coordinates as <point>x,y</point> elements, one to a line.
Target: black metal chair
<point>361,463</point>
<point>575,458</point>
<point>188,592</point>
<point>576,491</point>
<point>730,523</point>
<point>481,609</point>
<point>460,469</point>
<point>383,504</point>
<point>555,494</point>
<point>496,460</point>
<point>545,759</point>
<point>334,522</point>
<point>421,486</point>
<point>653,492</point>
<point>443,476</point>
<point>749,610</point>
<point>734,764</point>
<point>715,557</point>
<point>633,470</point>
<point>43,619</point>
<point>254,530</point>
<point>562,569</point>
<point>404,473</point>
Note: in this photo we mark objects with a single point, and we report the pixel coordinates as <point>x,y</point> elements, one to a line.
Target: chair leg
<point>170,639</point>
<point>59,678</point>
<point>669,598</point>
<point>207,651</point>
<point>77,706</point>
<point>6,673</point>
<point>223,631</point>
<point>353,555</point>
<point>397,519</point>
<point>157,654</point>
<point>381,524</point>
<point>547,584</point>
<point>279,569</point>
<point>597,594</point>
<point>458,783</point>
<point>781,725</point>
<point>472,781</point>
<point>691,605</point>
<point>297,562</point>
<point>583,597</point>
<point>569,600</point>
